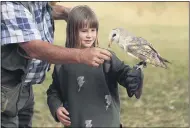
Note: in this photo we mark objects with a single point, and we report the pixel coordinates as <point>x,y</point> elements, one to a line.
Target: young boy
<point>85,96</point>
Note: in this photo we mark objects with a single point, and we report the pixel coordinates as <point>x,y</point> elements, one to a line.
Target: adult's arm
<point>58,55</point>
<point>16,29</point>
<point>60,12</point>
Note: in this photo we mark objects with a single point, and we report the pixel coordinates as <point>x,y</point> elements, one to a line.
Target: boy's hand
<point>62,115</point>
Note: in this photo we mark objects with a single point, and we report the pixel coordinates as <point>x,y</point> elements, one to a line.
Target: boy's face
<point>87,37</point>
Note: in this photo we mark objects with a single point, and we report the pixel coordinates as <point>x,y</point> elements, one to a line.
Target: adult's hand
<point>94,56</point>
<point>60,12</point>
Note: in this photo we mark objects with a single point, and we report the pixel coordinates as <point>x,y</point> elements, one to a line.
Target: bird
<point>137,47</point>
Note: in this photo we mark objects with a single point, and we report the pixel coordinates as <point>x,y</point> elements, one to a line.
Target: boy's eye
<point>84,30</point>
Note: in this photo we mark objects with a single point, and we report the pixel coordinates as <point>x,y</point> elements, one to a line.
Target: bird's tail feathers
<point>164,65</point>
<point>164,60</point>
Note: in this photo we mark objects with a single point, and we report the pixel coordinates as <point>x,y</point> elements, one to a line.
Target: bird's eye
<point>113,35</point>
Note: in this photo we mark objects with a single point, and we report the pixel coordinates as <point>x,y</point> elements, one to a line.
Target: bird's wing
<point>145,42</point>
<point>144,51</point>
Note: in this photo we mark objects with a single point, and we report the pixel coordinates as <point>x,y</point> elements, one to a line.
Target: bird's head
<point>114,36</point>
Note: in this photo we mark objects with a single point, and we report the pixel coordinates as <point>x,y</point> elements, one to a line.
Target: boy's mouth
<point>88,41</point>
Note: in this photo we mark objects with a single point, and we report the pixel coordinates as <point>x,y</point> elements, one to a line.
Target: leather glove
<point>134,82</point>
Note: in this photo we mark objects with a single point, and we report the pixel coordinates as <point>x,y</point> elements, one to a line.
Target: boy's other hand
<point>62,115</point>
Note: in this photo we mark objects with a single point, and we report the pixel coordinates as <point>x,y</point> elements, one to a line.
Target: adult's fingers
<point>94,56</point>
<point>98,61</point>
<point>103,57</point>
<point>95,64</point>
<point>105,52</point>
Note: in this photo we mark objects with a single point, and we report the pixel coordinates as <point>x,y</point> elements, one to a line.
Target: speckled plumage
<point>137,47</point>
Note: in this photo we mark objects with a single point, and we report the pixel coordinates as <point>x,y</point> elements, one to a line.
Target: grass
<point>164,102</point>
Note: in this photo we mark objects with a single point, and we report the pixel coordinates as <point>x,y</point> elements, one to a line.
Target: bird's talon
<point>144,65</point>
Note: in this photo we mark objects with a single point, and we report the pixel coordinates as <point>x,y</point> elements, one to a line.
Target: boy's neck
<point>82,47</point>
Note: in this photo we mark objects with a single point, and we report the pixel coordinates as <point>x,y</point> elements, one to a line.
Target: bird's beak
<point>110,43</point>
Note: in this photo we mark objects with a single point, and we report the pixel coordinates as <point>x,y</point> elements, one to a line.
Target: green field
<point>164,102</point>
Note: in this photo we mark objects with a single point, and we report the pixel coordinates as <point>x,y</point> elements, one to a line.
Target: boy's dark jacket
<point>112,72</point>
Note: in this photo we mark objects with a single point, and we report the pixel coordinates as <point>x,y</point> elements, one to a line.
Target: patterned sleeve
<point>17,24</point>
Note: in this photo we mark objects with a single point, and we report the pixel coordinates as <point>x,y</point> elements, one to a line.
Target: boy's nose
<point>89,34</point>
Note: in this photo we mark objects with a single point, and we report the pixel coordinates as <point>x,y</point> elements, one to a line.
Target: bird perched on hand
<point>137,47</point>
